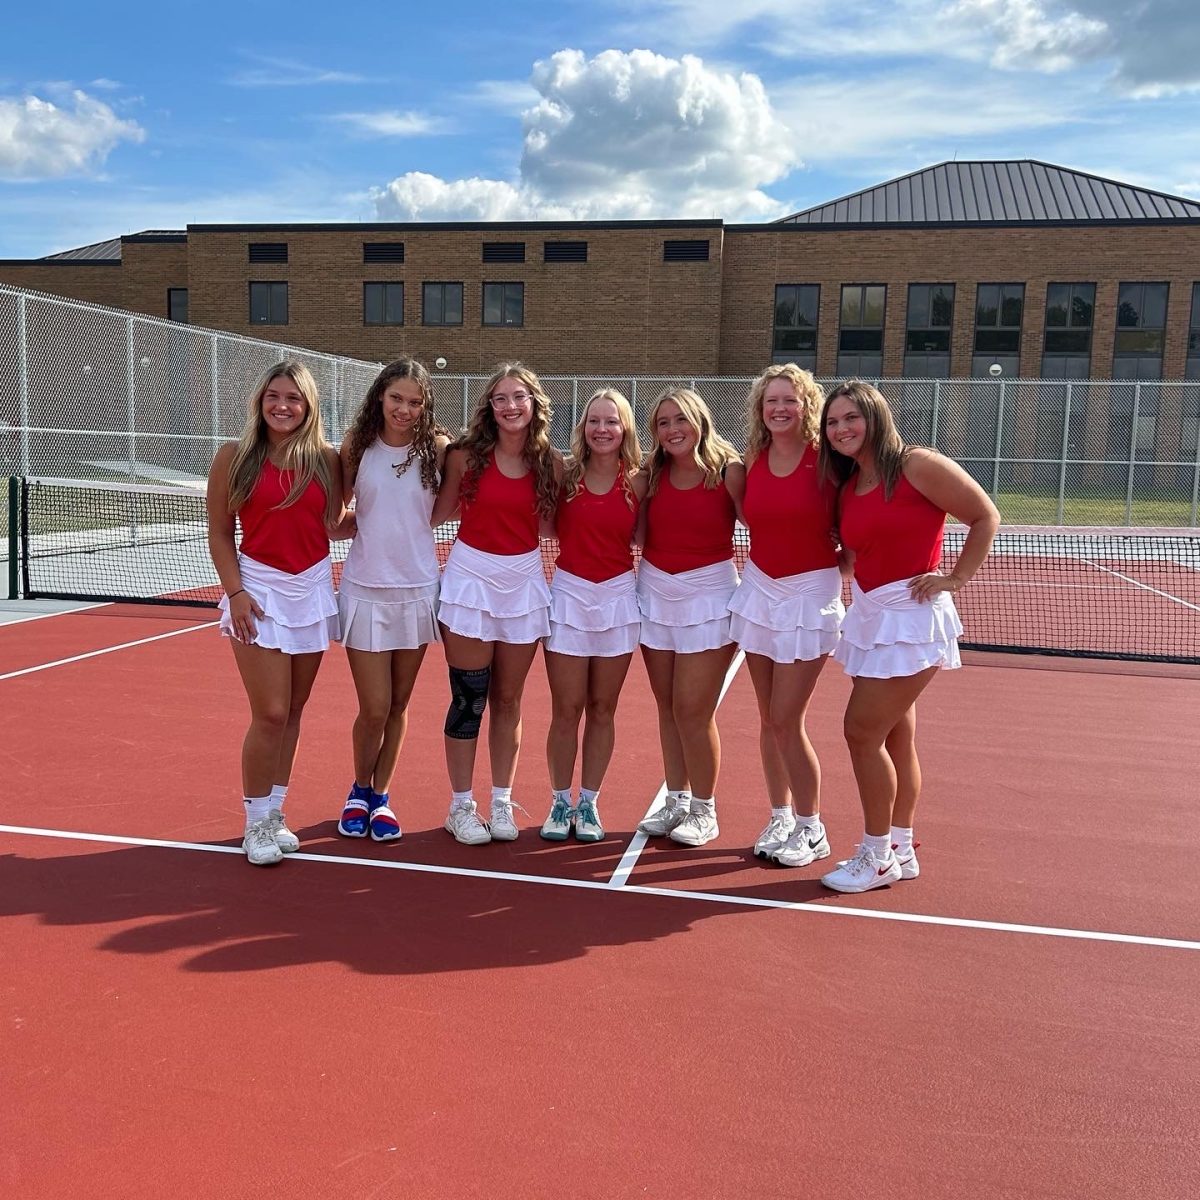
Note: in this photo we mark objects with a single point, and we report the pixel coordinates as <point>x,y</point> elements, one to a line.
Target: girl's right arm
<point>446,504</point>
<point>222,523</point>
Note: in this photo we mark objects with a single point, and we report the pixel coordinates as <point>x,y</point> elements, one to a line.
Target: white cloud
<point>391,124</point>
<point>623,135</point>
<point>286,72</point>
<point>1027,34</point>
<point>43,140</point>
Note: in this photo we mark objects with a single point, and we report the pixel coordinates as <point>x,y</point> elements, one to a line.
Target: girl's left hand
<point>925,587</point>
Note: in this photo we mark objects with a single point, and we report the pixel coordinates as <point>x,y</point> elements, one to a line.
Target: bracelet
<point>230,595</point>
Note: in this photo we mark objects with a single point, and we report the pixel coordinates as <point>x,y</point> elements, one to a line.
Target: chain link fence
<point>93,393</point>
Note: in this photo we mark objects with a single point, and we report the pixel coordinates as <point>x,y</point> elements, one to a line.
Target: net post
<point>14,543</point>
<point>1133,437</point>
<point>1062,465</point>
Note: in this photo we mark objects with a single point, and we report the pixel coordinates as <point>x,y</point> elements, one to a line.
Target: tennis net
<point>1103,593</point>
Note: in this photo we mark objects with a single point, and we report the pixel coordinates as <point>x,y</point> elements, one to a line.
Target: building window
<point>1141,324</point>
<point>505,252</point>
<point>797,308</point>
<point>927,338</point>
<point>564,252</point>
<point>1193,349</point>
<point>504,304</point>
<point>268,304</point>
<point>268,252</point>
<point>383,252</point>
<point>999,308</point>
<point>442,303</point>
<point>383,304</point>
<point>688,250</point>
<point>1067,350</point>
<point>860,338</point>
<point>177,305</point>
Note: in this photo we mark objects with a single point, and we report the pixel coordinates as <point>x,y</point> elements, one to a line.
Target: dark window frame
<point>999,326</point>
<point>1146,351</point>
<point>929,327</point>
<point>387,285</point>
<point>443,284</point>
<point>505,284</point>
<point>1193,343</point>
<point>800,328</point>
<point>271,315</point>
<point>861,326</point>
<point>172,293</point>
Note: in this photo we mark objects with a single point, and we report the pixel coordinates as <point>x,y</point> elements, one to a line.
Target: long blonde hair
<point>880,437</point>
<point>629,453</point>
<point>758,436</point>
<point>483,433</point>
<point>712,453</point>
<point>303,453</point>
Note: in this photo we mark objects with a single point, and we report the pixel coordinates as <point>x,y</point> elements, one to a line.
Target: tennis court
<point>622,1019</point>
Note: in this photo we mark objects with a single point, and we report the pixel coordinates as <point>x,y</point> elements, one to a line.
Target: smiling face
<point>782,409</point>
<point>675,433</point>
<point>602,428</point>
<point>512,404</point>
<point>403,402</point>
<point>283,408</point>
<point>846,427</point>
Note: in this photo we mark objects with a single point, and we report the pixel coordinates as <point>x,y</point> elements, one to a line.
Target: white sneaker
<point>778,830</point>
<point>501,824</point>
<point>464,823</point>
<point>259,844</point>
<point>863,872</point>
<point>557,826</point>
<point>587,823</point>
<point>909,867</point>
<point>285,839</point>
<point>698,827</point>
<point>806,845</point>
<point>662,820</point>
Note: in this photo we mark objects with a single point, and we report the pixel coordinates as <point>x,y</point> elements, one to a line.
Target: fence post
<point>999,438</point>
<point>574,401</point>
<point>23,373</point>
<point>1062,466</point>
<point>335,407</point>
<point>1196,482</point>
<point>1133,437</point>
<point>933,415</point>
<point>132,407</point>
<point>466,402</point>
<point>633,405</point>
<point>214,384</point>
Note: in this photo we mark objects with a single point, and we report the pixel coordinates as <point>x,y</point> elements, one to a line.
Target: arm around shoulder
<point>446,504</point>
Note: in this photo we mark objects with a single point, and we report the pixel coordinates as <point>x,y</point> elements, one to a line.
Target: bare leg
<point>697,685</point>
<point>660,668</point>
<point>901,745</point>
<point>791,691</point>
<point>606,677</point>
<point>510,666</point>
<point>304,674</point>
<point>568,675</point>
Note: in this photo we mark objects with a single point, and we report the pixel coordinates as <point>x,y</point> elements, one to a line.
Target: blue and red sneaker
<point>356,814</point>
<point>384,826</point>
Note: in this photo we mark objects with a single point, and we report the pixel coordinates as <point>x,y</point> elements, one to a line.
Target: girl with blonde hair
<point>392,458</point>
<point>283,483</point>
<point>594,617</point>
<point>694,484</point>
<point>787,609</point>
<point>495,603</point>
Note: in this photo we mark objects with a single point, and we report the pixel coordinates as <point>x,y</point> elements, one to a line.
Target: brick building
<point>1044,271</point>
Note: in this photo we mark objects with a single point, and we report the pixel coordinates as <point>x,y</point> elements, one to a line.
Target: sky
<point>122,117</point>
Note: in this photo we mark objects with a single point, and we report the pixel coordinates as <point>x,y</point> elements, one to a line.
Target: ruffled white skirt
<point>589,619</point>
<point>794,619</point>
<point>387,618</point>
<point>495,597</point>
<point>300,610</point>
<point>688,612</point>
<point>887,633</point>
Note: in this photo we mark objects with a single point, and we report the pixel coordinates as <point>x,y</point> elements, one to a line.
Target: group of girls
<point>827,488</point>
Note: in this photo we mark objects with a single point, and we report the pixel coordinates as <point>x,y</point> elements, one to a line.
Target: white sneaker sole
<point>475,840</point>
<point>815,855</point>
<point>692,839</point>
<point>504,835</point>
<point>870,884</point>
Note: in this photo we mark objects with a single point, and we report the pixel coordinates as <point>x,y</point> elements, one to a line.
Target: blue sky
<point>125,117</point>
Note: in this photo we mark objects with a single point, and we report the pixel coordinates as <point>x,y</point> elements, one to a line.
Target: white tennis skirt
<point>495,597</point>
<point>688,612</point>
<point>587,619</point>
<point>887,634</point>
<point>300,610</point>
<point>794,619</point>
<point>382,618</point>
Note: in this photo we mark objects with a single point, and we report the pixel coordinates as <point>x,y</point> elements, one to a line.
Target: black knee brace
<point>468,699</point>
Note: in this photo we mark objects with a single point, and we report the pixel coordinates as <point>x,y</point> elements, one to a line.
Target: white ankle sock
<point>708,805</point>
<point>880,845</point>
<point>258,808</point>
<point>587,796</point>
<point>461,799</point>
<point>680,801</point>
<point>783,811</point>
<point>809,820</point>
<point>501,795</point>
<point>279,795</point>
<point>562,795</point>
<point>902,840</point>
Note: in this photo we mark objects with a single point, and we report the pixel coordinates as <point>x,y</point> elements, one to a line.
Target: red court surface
<point>423,1019</point>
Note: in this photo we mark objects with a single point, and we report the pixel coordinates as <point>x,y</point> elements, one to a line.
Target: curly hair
<point>881,437</point>
<point>367,423</point>
<point>483,433</point>
<point>303,452</point>
<point>808,392</point>
<point>629,453</point>
<point>712,453</point>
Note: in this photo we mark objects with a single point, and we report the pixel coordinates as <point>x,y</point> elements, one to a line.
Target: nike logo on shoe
<point>884,870</point>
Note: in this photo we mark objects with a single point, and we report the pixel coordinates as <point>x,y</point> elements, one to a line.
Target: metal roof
<point>1020,191</point>
<point>111,248</point>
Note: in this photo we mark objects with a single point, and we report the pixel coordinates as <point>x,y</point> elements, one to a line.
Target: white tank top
<point>394,545</point>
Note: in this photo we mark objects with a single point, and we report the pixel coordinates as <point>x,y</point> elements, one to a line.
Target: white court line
<point>638,842</point>
<point>591,885</point>
<point>1144,586</point>
<point>62,662</point>
<point>58,612</point>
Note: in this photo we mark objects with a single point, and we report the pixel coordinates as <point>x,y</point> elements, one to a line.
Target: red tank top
<point>789,518</point>
<point>502,518</point>
<point>690,528</point>
<point>595,532</point>
<point>289,539</point>
<point>891,539</point>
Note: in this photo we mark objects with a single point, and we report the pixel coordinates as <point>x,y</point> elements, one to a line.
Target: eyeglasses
<point>514,398</point>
